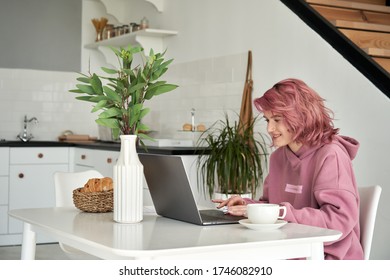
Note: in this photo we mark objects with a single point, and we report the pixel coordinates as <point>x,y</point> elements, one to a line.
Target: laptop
<point>171,192</point>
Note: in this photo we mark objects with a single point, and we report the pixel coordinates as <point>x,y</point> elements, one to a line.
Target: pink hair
<point>302,109</point>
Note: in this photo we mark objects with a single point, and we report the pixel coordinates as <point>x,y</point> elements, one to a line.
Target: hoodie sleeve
<point>335,193</point>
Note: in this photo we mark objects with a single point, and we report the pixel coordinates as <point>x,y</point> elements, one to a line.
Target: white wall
<point>210,60</point>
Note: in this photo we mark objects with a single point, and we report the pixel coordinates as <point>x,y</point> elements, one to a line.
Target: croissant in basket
<point>98,185</point>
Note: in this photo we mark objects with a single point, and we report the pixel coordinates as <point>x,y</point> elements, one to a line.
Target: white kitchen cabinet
<point>4,190</point>
<point>31,182</point>
<point>4,161</point>
<point>105,161</point>
<point>3,220</point>
<point>100,160</point>
<point>3,205</point>
<point>83,159</point>
<point>4,176</point>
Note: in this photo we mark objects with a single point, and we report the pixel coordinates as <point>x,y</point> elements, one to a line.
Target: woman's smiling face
<point>279,132</point>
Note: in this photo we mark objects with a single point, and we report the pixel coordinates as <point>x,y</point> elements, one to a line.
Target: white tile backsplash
<point>210,86</point>
<point>44,95</point>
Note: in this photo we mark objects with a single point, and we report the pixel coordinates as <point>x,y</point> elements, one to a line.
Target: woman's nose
<point>270,128</point>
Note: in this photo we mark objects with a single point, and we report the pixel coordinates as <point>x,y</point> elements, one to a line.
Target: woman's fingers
<point>234,200</point>
<point>239,210</point>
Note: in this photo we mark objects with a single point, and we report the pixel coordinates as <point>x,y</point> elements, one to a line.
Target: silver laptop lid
<point>170,187</point>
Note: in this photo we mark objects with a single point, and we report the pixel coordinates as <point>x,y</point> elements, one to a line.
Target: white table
<point>161,238</point>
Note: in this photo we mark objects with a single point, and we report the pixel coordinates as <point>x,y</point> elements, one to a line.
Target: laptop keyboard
<point>212,215</point>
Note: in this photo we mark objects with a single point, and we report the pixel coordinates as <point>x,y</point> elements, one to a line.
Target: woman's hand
<point>235,205</point>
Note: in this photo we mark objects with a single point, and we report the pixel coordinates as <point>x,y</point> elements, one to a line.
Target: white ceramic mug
<point>265,213</point>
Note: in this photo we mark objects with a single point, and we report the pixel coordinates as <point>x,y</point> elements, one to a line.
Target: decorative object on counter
<point>193,128</point>
<point>193,119</point>
<point>122,102</point>
<point>95,196</point>
<point>99,25</point>
<point>77,138</point>
<point>233,160</point>
<point>200,127</point>
<point>24,136</point>
<point>187,127</point>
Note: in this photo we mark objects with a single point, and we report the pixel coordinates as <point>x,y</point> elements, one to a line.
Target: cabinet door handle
<point>21,175</point>
<point>83,156</point>
<point>40,155</point>
<point>109,160</point>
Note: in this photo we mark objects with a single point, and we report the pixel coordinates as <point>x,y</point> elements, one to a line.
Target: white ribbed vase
<point>128,183</point>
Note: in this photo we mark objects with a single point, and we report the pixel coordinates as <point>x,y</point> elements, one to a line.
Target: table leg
<point>317,251</point>
<point>28,243</point>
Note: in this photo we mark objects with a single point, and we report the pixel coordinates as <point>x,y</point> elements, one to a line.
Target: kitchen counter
<point>102,145</point>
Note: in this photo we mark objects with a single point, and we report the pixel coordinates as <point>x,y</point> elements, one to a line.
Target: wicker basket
<point>96,202</point>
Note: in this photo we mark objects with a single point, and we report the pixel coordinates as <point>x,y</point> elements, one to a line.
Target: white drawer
<point>4,161</point>
<point>3,219</point>
<point>39,155</point>
<point>3,190</point>
<point>84,157</point>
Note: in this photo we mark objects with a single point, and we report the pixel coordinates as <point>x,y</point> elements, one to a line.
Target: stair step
<point>361,25</point>
<point>375,2</point>
<point>331,13</point>
<point>377,52</point>
<point>351,5</point>
<point>383,62</point>
<point>366,39</point>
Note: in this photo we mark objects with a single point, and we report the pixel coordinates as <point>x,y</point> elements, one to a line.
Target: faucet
<point>24,136</point>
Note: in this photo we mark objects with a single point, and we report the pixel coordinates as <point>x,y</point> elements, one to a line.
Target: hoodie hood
<point>348,144</point>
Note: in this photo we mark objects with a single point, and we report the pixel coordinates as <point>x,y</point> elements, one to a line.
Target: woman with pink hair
<point>311,170</point>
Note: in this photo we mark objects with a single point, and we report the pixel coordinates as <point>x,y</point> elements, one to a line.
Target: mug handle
<point>284,212</point>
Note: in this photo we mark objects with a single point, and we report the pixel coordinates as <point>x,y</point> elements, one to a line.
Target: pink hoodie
<point>318,187</point>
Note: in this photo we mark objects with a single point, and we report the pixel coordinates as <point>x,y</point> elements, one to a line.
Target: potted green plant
<point>121,99</point>
<point>233,158</point>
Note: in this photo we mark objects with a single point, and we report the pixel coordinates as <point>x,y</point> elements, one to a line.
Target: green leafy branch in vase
<point>122,97</point>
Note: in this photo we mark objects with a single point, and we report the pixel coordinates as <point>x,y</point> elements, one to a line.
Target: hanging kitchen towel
<point>246,114</point>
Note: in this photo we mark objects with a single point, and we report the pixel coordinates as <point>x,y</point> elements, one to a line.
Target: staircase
<point>365,24</point>
<point>358,29</point>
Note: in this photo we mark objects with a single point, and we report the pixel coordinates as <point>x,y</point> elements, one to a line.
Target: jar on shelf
<point>134,26</point>
<point>144,23</point>
<point>126,29</point>
<point>109,32</point>
<point>120,30</point>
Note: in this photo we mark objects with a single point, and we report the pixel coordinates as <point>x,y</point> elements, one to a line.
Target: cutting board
<point>77,138</point>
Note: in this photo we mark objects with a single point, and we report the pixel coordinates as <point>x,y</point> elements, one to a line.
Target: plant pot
<point>128,183</point>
